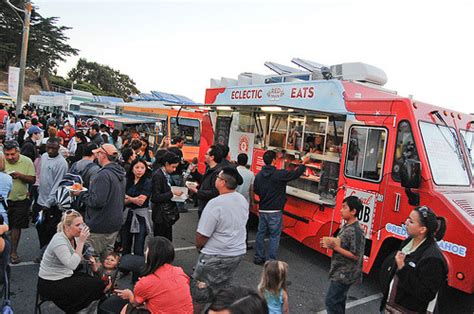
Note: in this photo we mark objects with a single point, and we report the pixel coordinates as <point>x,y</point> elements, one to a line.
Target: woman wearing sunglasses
<point>59,281</point>
<point>413,277</point>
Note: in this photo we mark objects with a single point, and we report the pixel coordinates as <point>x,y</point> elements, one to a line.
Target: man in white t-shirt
<point>220,237</point>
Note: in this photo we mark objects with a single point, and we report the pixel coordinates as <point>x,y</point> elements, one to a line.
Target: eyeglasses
<point>103,149</point>
<point>221,178</point>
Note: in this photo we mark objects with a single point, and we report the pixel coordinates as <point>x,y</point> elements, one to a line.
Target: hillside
<point>32,85</point>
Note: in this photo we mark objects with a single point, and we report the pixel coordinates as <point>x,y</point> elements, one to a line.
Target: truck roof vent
<point>358,71</point>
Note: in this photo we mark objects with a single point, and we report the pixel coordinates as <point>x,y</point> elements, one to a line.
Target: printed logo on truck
<point>366,215</point>
<point>446,246</point>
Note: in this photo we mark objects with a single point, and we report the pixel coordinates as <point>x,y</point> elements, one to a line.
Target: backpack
<point>63,197</point>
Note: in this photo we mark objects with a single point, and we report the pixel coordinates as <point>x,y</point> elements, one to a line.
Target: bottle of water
<point>190,168</point>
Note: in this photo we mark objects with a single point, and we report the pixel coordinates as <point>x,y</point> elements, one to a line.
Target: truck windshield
<point>446,163</point>
<point>468,137</point>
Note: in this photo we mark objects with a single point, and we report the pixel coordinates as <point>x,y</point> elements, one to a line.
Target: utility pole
<point>24,50</point>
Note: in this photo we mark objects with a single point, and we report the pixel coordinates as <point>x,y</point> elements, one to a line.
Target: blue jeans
<point>137,239</point>
<point>272,223</point>
<point>336,297</point>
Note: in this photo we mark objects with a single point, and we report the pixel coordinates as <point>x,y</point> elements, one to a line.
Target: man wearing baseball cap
<point>28,148</point>
<point>105,200</point>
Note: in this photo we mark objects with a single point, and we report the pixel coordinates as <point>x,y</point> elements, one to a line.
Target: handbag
<point>136,310</point>
<point>393,308</point>
<point>165,213</point>
<point>170,213</point>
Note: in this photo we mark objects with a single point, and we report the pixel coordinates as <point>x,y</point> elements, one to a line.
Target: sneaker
<point>14,259</point>
<point>258,262</point>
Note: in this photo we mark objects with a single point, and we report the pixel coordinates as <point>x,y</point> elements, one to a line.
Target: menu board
<point>222,130</point>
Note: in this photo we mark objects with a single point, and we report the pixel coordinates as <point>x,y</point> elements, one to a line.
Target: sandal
<point>15,260</point>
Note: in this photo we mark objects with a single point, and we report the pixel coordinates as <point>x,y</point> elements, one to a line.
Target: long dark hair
<point>160,252</point>
<point>81,135</point>
<point>115,135</point>
<point>158,158</point>
<point>435,225</point>
<point>131,176</point>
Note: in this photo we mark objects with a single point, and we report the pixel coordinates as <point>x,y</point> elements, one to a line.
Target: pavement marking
<point>368,299</point>
<point>24,264</point>
<point>187,248</point>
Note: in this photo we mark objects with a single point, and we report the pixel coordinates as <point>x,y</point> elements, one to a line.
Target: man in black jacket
<point>207,181</point>
<point>28,148</point>
<point>270,186</point>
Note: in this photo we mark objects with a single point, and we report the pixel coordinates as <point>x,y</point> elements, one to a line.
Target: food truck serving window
<point>446,163</point>
<point>278,130</point>
<point>405,148</point>
<point>468,137</point>
<point>189,129</point>
<point>365,153</point>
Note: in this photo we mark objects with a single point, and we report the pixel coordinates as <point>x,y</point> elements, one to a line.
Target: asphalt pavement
<point>308,275</point>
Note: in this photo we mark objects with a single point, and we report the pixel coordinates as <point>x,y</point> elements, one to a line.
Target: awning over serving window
<point>323,96</point>
<point>187,122</point>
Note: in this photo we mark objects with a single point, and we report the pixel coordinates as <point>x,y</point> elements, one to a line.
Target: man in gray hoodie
<point>105,200</point>
<point>53,169</point>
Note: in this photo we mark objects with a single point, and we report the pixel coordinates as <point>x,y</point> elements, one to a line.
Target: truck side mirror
<point>410,173</point>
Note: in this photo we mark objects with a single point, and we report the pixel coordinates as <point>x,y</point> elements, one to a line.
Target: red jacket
<point>67,136</point>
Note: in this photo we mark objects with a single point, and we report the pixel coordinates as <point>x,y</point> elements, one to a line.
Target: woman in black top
<point>145,152</point>
<point>128,156</point>
<point>137,224</point>
<point>81,140</point>
<point>161,194</point>
<point>419,269</point>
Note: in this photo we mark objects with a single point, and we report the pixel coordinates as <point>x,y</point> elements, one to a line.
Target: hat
<point>34,129</point>
<point>109,149</point>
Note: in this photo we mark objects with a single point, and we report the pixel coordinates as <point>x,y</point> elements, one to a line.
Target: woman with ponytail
<point>418,270</point>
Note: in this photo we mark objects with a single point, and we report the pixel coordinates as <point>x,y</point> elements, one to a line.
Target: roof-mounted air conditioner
<point>358,71</point>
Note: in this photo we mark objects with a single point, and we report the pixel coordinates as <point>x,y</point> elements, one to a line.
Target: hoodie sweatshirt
<point>270,186</point>
<point>105,199</point>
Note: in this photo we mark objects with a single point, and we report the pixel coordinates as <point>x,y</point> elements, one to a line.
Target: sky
<point>424,47</point>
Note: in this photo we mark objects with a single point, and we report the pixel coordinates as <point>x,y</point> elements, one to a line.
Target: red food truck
<point>393,152</point>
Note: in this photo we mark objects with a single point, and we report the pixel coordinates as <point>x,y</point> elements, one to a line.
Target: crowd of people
<point>128,201</point>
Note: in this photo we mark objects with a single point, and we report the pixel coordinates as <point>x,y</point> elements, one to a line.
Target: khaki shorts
<point>212,272</point>
<point>102,243</point>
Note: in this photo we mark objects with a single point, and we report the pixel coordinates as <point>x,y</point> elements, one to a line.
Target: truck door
<point>395,209</point>
<point>364,169</point>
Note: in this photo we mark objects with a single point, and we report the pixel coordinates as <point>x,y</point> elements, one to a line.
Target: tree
<point>47,43</point>
<point>110,81</point>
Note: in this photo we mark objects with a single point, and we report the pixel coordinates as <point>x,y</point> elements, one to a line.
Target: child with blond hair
<point>272,286</point>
